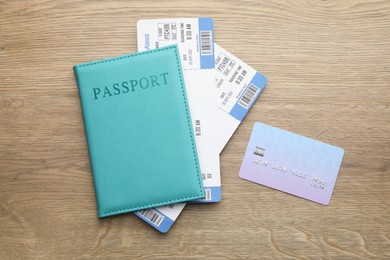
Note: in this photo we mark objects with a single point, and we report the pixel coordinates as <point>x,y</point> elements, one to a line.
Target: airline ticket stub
<point>238,87</point>
<point>161,218</point>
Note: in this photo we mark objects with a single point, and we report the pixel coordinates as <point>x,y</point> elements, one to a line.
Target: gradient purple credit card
<point>291,163</point>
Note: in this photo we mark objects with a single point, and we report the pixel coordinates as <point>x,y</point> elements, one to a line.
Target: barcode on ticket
<point>206,43</point>
<point>207,194</point>
<point>248,96</point>
<point>152,215</point>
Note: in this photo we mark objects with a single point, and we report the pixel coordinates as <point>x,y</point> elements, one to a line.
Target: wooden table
<point>328,65</point>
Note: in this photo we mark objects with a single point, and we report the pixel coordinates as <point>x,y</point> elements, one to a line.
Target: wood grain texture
<point>328,65</point>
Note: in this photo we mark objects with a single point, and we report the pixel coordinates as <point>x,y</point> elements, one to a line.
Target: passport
<point>139,132</point>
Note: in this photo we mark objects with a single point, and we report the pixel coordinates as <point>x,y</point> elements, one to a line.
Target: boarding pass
<point>163,218</point>
<point>195,39</point>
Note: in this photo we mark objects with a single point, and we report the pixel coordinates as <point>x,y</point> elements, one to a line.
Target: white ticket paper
<point>238,86</point>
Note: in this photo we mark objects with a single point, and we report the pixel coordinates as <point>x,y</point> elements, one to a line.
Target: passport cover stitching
<point>188,124</point>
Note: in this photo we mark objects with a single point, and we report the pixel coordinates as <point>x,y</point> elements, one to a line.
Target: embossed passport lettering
<point>291,163</point>
<point>139,131</point>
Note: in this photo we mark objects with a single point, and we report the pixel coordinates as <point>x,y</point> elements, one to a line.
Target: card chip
<point>259,151</point>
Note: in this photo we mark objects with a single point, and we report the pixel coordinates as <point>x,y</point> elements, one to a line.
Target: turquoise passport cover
<point>139,131</point>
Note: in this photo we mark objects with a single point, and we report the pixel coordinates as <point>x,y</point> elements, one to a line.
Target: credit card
<point>238,87</point>
<point>291,163</point>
